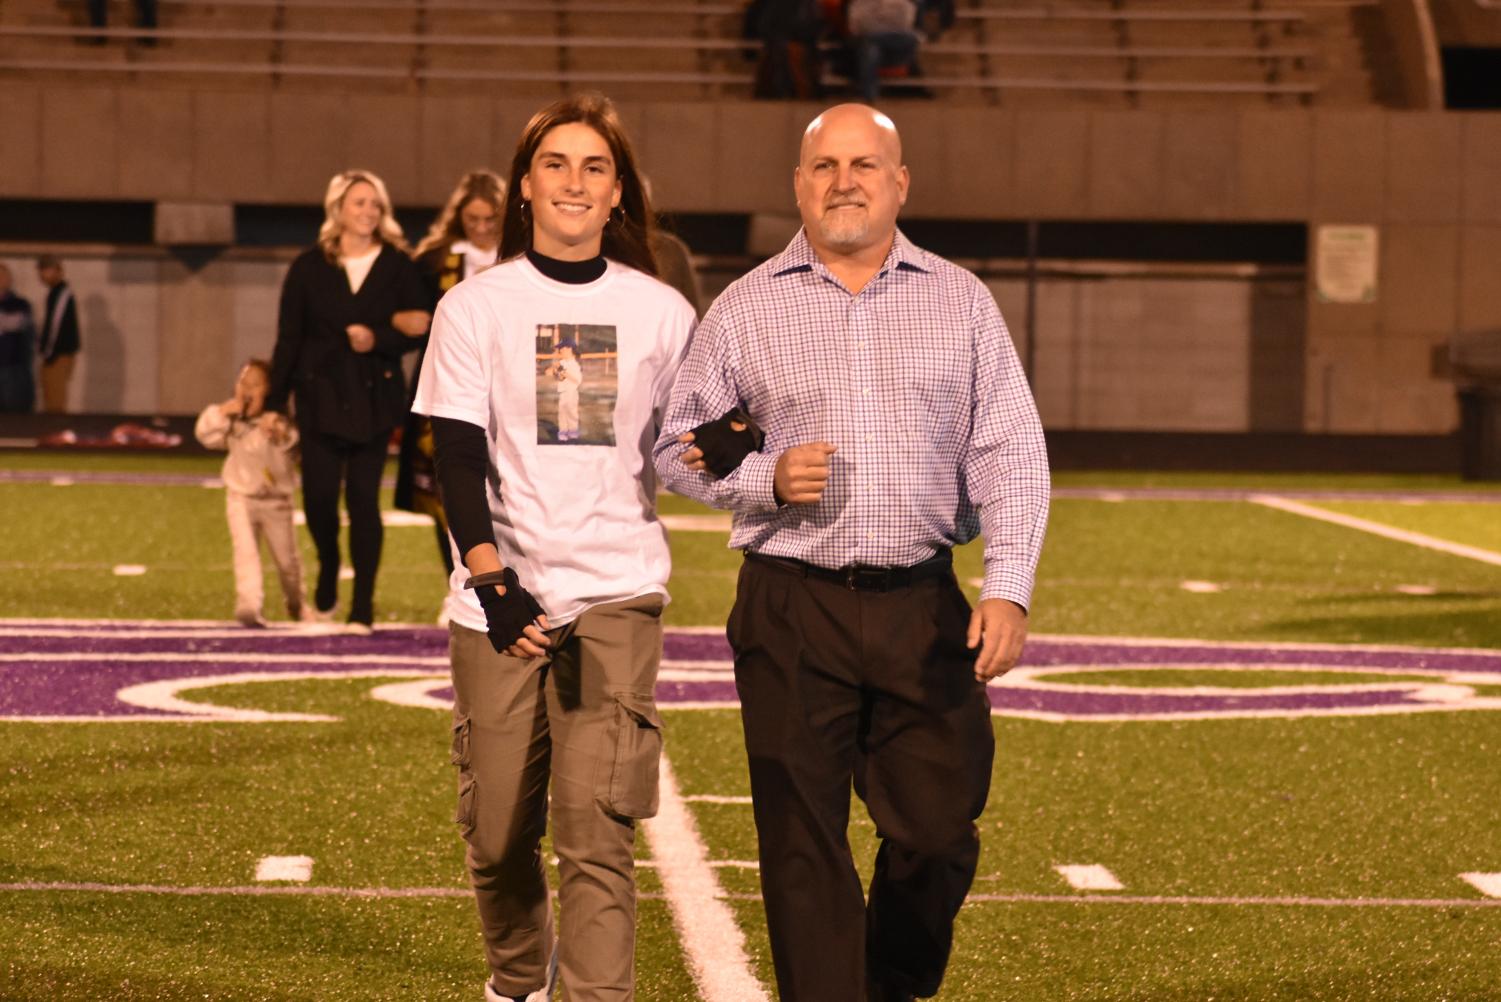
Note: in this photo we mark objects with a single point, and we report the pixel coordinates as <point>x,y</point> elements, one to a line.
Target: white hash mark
<point>1092,877</point>
<point>295,868</point>
<point>1488,884</point>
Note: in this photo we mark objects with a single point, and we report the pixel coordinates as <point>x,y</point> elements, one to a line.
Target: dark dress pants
<point>329,462</point>
<point>876,688</point>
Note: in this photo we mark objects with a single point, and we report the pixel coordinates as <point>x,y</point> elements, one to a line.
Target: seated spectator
<point>883,33</point>
<point>789,31</point>
<point>145,13</point>
<point>934,17</point>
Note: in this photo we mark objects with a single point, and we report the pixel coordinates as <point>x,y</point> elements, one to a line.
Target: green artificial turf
<point>1453,521</point>
<point>144,948</point>
<point>100,461</point>
<point>1377,807</point>
<point>1269,481</point>
<point>1118,569</point>
<point>1316,809</point>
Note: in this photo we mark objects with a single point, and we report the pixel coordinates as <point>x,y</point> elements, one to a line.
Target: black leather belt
<point>864,577</point>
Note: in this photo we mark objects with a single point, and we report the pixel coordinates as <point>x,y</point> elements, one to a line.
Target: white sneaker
<point>359,629</point>
<point>543,994</point>
<point>491,995</point>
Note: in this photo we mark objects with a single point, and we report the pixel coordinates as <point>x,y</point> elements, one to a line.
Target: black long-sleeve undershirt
<point>461,461</point>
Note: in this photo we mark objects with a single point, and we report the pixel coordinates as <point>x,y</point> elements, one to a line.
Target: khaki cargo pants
<point>585,717</point>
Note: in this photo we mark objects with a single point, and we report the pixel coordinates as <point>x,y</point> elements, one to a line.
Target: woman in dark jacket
<point>463,240</point>
<point>339,359</point>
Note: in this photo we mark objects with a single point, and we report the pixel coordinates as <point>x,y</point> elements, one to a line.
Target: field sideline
<point>1249,755</point>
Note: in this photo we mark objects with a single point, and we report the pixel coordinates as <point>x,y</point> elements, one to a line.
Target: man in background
<point>59,336</point>
<point>17,338</point>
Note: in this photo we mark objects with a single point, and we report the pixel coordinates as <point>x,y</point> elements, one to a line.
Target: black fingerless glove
<point>506,616</point>
<point>723,447</point>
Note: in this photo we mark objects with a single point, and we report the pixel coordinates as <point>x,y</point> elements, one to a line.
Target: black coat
<point>59,334</point>
<point>338,391</point>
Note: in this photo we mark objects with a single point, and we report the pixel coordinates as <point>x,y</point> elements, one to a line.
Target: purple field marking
<point>78,675</point>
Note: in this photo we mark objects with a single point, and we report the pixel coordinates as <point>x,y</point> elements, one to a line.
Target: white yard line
<point>712,941</point>
<point>1378,529</point>
<point>293,890</point>
<point>710,798</point>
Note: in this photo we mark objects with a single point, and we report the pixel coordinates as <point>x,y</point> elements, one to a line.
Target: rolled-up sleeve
<point>704,390</point>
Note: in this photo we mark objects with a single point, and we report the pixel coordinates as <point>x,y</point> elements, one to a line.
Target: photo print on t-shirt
<point>577,384</point>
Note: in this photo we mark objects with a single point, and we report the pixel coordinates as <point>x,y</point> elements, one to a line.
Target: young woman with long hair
<point>338,359</point>
<point>555,633</point>
<point>463,241</point>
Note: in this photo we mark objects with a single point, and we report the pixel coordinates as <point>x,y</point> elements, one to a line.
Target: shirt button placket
<point>866,410</point>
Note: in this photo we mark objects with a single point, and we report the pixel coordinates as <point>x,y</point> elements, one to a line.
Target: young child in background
<point>570,377</point>
<point>259,479</point>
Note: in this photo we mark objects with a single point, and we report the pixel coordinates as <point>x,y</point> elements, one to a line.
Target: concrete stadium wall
<point>1430,182</point>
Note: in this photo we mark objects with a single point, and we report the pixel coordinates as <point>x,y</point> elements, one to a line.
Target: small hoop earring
<point>617,216</point>
<point>522,211</point>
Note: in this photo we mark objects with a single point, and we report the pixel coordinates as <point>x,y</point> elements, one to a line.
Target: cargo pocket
<point>628,776</point>
<point>463,814</point>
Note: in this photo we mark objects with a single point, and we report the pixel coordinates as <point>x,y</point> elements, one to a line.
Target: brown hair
<point>387,231</point>
<point>627,236</point>
<point>485,185</point>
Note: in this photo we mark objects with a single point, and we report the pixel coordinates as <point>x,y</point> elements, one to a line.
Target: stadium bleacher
<point>1121,53</point>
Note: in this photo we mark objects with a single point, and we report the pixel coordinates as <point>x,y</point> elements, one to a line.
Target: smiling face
<point>361,210</point>
<point>850,181</point>
<point>481,223</point>
<point>571,187</point>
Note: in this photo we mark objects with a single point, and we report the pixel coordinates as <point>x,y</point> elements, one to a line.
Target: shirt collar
<point>800,256</point>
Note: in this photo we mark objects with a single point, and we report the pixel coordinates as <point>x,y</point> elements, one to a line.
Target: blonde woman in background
<point>338,360</point>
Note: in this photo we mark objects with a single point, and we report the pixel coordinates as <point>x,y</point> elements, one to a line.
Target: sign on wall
<point>1345,262</point>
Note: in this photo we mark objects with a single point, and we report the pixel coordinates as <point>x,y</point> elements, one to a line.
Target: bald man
<point>897,425</point>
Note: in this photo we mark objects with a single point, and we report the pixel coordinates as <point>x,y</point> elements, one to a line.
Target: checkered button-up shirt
<point>914,379</point>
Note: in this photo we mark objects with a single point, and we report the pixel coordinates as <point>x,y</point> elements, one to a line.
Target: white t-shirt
<point>576,516</point>
<point>475,260</point>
